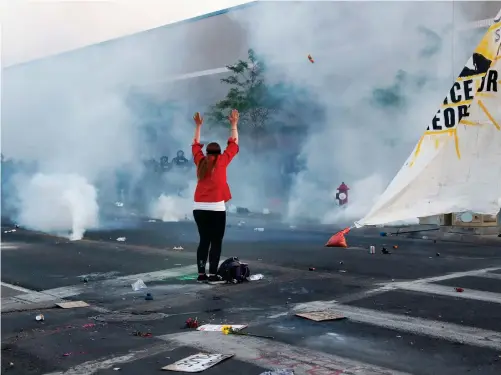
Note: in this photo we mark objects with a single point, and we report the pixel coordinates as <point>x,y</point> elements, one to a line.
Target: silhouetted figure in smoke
<point>180,160</point>
<point>165,166</point>
<point>478,64</point>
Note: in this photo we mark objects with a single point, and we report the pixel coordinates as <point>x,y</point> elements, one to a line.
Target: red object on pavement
<point>338,239</point>
<point>192,323</point>
<point>459,290</point>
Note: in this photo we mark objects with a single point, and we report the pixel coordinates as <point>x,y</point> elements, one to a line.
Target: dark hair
<point>209,162</point>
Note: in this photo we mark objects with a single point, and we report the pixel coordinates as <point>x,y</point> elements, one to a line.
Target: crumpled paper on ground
<point>278,372</point>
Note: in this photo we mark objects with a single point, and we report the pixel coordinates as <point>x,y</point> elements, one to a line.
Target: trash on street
<point>278,372</point>
<point>255,277</point>
<point>320,316</point>
<point>197,362</point>
<point>191,323</point>
<point>138,285</point>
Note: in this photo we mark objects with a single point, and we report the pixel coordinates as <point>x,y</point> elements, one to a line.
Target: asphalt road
<point>403,314</point>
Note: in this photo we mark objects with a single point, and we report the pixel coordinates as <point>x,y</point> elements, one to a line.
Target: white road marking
<point>16,287</point>
<point>451,292</point>
<point>489,275</point>
<point>427,327</point>
<point>272,354</point>
<point>71,291</point>
<point>91,367</point>
<point>8,246</point>
<point>57,294</point>
<point>455,275</point>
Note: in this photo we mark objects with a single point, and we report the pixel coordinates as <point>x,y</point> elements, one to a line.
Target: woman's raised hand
<point>234,116</point>
<point>199,120</point>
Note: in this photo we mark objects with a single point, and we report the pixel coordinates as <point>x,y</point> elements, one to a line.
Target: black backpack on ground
<point>233,271</point>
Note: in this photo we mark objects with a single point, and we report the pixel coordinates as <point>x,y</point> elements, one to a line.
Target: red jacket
<point>214,186</point>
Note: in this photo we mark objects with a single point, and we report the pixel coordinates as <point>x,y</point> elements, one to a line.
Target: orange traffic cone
<point>338,239</point>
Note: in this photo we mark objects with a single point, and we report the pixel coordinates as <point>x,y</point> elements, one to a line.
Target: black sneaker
<point>202,278</point>
<point>215,279</point>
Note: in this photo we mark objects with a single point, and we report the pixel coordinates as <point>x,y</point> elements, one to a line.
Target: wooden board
<point>320,316</point>
<point>197,362</point>
<point>73,304</point>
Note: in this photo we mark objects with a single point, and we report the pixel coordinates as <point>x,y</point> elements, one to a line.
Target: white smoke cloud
<point>73,115</point>
<point>174,207</point>
<point>59,203</point>
<point>380,71</point>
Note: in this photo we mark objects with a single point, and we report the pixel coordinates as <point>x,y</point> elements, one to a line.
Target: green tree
<point>248,93</point>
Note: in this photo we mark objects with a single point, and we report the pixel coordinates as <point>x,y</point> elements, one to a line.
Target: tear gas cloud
<point>381,70</point>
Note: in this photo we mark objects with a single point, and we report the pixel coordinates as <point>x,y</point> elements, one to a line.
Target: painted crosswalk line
<point>276,355</point>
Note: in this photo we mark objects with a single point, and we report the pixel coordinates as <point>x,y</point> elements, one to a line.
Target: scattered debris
<point>152,221</point>
<point>9,231</point>
<point>312,268</point>
<point>459,290</point>
<point>342,271</point>
<point>11,364</point>
<point>197,362</point>
<point>278,372</point>
<point>191,323</point>
<point>138,285</point>
<point>437,254</point>
<point>148,297</point>
<point>257,276</point>
<point>116,369</point>
<point>177,248</point>
<point>73,304</point>
<point>320,316</point>
<point>258,229</point>
<point>241,223</point>
<point>142,334</point>
<point>395,246</point>
<point>341,262</point>
<point>121,239</point>
<point>88,325</point>
<point>85,280</point>
<point>71,353</point>
<point>424,237</point>
<point>39,318</point>
<point>229,330</point>
<point>311,59</point>
<point>119,204</point>
<point>219,327</point>
<point>372,249</point>
<point>384,250</point>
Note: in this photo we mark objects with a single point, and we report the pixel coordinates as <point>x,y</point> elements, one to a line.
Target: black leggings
<point>211,226</point>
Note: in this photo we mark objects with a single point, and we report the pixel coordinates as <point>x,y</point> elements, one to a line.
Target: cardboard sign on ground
<point>320,316</point>
<point>71,305</point>
<point>219,327</point>
<point>197,362</point>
